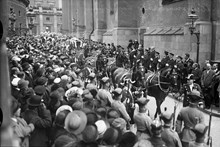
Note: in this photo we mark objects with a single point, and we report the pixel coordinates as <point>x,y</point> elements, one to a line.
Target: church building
<point>161,23</point>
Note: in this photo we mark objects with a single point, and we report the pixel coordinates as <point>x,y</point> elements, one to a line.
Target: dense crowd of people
<point>54,104</point>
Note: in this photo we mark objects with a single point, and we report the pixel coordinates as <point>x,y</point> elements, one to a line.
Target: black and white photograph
<point>110,73</point>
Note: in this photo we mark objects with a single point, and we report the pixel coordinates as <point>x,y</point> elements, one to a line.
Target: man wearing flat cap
<point>169,136</point>
<point>103,94</point>
<point>142,119</point>
<point>189,116</point>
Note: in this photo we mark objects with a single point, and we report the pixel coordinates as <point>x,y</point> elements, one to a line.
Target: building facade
<point>48,16</point>
<point>17,17</point>
<point>160,23</point>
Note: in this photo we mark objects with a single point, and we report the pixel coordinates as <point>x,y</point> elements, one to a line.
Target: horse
<point>158,85</point>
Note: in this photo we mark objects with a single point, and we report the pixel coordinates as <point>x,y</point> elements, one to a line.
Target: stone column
<point>100,19</point>
<point>204,26</point>
<point>41,20</point>
<point>55,19</point>
<point>80,19</point>
<point>88,18</point>
<point>126,25</point>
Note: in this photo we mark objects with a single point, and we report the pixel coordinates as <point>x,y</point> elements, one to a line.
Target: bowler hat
<point>75,122</point>
<point>34,100</point>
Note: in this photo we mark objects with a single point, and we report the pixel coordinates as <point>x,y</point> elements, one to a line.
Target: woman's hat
<point>75,122</point>
<point>101,127</point>
<point>62,108</point>
<point>15,81</point>
<point>90,134</point>
<point>34,100</point>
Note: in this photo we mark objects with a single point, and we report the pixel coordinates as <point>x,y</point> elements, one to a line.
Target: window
<point>19,13</point>
<point>47,18</point>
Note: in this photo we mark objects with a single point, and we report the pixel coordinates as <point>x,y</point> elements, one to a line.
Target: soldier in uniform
<point>156,139</point>
<point>142,119</point>
<point>188,117</point>
<point>169,136</point>
<point>132,57</point>
<point>180,69</point>
<point>156,61</point>
<point>188,63</point>
<point>188,87</point>
<point>171,61</point>
<point>165,59</point>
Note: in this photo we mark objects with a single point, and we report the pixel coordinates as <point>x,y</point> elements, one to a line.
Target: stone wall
<point>216,29</point>
<point>18,6</point>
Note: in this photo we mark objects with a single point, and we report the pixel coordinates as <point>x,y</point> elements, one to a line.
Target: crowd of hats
<point>73,106</point>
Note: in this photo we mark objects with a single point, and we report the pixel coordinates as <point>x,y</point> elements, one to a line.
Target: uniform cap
<point>142,101</point>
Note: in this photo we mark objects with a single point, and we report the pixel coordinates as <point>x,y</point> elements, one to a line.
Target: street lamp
<point>193,17</point>
<point>30,16</point>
